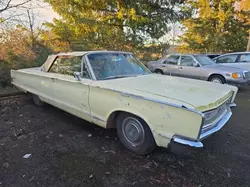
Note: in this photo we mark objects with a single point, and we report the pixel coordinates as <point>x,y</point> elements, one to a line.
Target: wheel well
<point>213,75</point>
<point>113,116</point>
<point>158,70</point>
<point>111,119</point>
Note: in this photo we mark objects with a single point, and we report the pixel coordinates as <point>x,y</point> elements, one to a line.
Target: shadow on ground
<point>68,151</point>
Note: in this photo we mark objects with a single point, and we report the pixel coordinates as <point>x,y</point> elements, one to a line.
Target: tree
<point>7,4</point>
<point>244,5</point>
<point>214,26</point>
<point>9,9</point>
<point>110,24</point>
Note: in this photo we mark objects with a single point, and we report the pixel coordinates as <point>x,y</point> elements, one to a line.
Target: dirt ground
<point>67,151</point>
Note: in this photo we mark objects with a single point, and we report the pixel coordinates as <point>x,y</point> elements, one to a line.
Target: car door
<point>188,67</point>
<point>71,94</point>
<point>234,60</point>
<point>170,65</point>
<point>227,60</point>
<point>243,61</point>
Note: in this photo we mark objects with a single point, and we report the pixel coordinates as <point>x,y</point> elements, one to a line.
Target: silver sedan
<point>238,60</point>
<point>199,67</point>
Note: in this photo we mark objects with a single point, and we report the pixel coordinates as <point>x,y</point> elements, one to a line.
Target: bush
<point>5,79</point>
<point>14,61</point>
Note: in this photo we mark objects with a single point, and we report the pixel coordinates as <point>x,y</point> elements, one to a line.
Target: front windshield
<point>204,60</point>
<point>115,65</point>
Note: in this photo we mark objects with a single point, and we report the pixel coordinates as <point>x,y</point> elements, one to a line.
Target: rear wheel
<point>217,79</point>
<point>37,100</point>
<point>135,134</point>
<point>158,71</point>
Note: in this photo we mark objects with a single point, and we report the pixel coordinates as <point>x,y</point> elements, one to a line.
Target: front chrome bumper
<point>239,83</point>
<point>205,134</point>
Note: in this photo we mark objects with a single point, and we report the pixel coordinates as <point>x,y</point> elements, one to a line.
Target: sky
<point>46,12</point>
<point>43,11</point>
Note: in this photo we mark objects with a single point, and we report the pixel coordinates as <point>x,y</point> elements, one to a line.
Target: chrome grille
<point>221,111</point>
<point>246,74</point>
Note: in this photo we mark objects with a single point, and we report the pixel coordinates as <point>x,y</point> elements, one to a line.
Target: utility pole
<point>248,44</point>
<point>174,33</point>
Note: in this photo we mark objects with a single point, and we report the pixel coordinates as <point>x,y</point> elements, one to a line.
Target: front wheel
<point>217,79</point>
<point>158,71</point>
<point>135,134</point>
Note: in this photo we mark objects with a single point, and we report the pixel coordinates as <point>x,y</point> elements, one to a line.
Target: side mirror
<point>196,65</point>
<point>77,75</point>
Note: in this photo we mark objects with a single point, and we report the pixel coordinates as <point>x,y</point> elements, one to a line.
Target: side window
<point>227,59</point>
<point>76,64</point>
<point>69,65</point>
<point>66,65</point>
<point>172,60</point>
<point>244,58</point>
<point>187,61</point>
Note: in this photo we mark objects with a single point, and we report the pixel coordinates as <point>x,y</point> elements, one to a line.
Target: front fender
<point>164,120</point>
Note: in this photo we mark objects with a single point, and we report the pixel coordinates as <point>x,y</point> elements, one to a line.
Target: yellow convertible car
<point>114,90</point>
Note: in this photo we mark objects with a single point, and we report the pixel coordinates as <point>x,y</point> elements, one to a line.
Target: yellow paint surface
<point>95,101</point>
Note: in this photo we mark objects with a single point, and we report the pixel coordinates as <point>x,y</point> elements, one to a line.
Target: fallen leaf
<point>27,155</point>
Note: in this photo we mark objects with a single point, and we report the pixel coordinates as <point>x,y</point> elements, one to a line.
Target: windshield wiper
<point>116,77</point>
<point>119,76</point>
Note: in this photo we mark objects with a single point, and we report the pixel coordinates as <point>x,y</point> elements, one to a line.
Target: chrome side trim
<point>153,100</point>
<point>187,142</point>
<point>97,118</point>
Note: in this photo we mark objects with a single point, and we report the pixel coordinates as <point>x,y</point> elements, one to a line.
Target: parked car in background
<point>114,90</point>
<point>239,60</point>
<point>198,66</point>
<point>212,55</point>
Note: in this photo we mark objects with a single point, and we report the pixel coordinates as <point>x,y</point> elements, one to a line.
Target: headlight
<point>209,116</point>
<point>212,116</point>
<point>237,75</point>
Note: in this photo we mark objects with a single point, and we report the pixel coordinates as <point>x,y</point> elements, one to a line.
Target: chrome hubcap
<point>215,80</point>
<point>133,131</point>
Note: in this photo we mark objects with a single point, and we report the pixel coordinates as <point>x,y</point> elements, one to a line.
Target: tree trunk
<point>248,45</point>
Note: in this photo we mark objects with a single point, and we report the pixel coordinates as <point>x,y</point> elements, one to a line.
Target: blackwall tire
<point>135,134</point>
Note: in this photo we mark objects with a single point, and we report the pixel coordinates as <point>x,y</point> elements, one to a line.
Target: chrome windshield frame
<point>90,69</point>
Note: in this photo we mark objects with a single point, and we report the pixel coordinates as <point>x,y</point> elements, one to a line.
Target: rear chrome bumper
<point>205,134</point>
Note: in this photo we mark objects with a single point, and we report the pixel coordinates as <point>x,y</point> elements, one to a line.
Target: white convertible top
<point>51,58</point>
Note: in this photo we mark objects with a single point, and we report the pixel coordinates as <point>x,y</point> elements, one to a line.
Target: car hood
<point>227,69</point>
<point>190,93</point>
<point>152,62</point>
